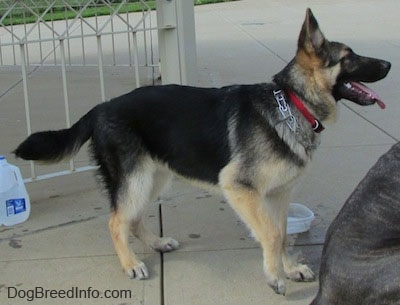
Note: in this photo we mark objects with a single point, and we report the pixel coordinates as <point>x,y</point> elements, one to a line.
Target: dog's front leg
<point>295,271</point>
<point>248,203</point>
<point>276,205</point>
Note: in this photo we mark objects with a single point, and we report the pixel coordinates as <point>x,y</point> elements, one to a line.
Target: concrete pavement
<point>65,243</point>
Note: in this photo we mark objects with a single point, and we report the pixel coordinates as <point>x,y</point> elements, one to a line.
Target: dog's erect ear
<point>311,38</point>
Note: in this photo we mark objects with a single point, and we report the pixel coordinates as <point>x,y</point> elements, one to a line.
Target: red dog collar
<point>315,123</point>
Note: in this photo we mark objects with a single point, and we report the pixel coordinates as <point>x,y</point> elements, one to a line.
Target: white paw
<point>300,273</point>
<point>278,286</point>
<point>166,244</point>
<point>139,271</point>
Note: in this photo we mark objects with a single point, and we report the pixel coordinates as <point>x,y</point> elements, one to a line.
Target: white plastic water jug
<point>14,200</point>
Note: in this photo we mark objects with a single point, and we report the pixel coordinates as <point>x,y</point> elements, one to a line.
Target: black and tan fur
<point>231,138</point>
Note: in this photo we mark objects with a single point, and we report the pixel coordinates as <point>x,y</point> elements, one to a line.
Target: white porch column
<point>177,41</point>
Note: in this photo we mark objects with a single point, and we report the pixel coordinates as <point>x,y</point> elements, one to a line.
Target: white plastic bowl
<point>299,219</point>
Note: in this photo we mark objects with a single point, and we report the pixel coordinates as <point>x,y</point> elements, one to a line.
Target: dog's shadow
<point>302,293</point>
<point>234,271</point>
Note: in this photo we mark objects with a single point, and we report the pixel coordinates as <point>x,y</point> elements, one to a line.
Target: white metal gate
<point>66,43</point>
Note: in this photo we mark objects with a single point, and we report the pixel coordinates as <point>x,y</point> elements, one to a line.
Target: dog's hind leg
<point>119,229</point>
<point>160,244</point>
<point>131,196</point>
<point>161,179</point>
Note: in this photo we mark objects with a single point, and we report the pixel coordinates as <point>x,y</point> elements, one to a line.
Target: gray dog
<point>361,256</point>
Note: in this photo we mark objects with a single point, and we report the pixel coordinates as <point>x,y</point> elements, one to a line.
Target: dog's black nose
<point>386,65</point>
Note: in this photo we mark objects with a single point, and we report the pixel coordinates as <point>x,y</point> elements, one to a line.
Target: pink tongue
<point>381,104</point>
<point>369,92</point>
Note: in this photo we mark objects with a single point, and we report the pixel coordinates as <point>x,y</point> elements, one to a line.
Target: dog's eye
<point>347,54</point>
<point>347,57</point>
<point>332,63</point>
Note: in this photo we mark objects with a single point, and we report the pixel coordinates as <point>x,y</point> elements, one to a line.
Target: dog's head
<point>336,67</point>
<point>323,72</point>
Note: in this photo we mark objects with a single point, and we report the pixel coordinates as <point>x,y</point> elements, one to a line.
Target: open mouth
<point>359,93</point>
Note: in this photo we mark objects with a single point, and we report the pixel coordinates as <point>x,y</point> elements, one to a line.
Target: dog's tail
<point>55,145</point>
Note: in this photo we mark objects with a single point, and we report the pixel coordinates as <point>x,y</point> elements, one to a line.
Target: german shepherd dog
<point>249,141</point>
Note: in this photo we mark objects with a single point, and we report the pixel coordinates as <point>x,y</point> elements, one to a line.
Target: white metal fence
<point>116,39</point>
<point>58,48</point>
